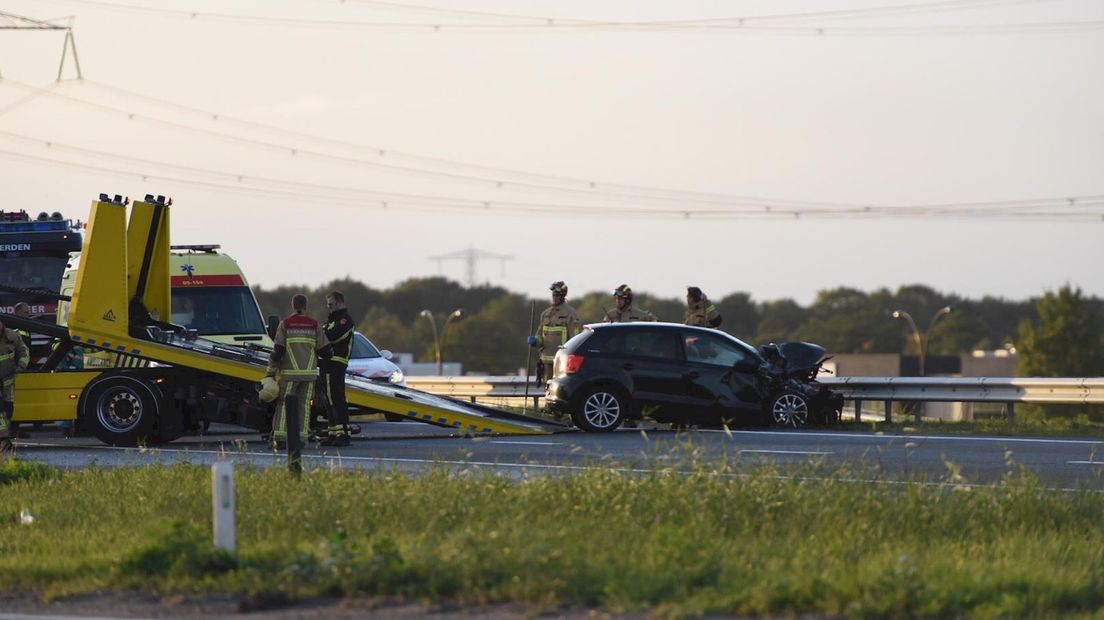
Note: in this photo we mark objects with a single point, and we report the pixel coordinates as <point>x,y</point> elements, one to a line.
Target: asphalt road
<point>409,446</point>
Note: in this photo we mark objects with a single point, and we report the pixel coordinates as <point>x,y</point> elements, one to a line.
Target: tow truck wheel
<point>120,410</point>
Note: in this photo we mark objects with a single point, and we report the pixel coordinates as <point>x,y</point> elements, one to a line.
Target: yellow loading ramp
<point>127,295</point>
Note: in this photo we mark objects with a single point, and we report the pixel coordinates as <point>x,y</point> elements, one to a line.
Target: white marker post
<point>222,485</point>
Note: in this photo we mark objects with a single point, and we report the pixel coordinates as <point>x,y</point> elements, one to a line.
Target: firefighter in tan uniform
<point>699,310</point>
<point>299,342</point>
<point>624,312</point>
<point>558,324</point>
<point>14,356</point>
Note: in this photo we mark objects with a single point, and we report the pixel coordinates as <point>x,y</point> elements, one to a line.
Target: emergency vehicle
<point>33,256</point>
<point>120,302</point>
<point>210,294</point>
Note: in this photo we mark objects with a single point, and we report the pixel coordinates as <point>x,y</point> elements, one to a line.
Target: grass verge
<point>773,542</point>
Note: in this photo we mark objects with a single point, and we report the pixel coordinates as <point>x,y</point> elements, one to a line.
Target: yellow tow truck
<point>169,379</point>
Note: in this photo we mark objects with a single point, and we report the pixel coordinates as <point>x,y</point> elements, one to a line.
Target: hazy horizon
<point>421,130</point>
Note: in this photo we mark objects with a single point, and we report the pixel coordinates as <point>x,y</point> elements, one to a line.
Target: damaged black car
<point>687,376</point>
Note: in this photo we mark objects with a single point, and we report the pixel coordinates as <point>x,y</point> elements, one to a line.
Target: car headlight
<point>396,377</point>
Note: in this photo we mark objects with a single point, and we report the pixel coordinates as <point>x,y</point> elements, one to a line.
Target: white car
<point>369,362</point>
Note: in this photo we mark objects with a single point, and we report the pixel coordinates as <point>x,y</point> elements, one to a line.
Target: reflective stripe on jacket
<point>339,331</point>
<point>629,315</point>
<point>558,324</point>
<point>301,337</point>
<point>702,313</point>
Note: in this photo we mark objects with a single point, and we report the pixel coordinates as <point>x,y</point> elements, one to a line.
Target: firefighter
<point>558,324</point>
<point>699,310</point>
<point>624,312</point>
<point>339,332</point>
<point>23,311</point>
<point>299,342</point>
<point>14,355</point>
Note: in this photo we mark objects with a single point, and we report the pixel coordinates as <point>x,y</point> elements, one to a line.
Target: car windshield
<point>217,310</point>
<point>362,347</point>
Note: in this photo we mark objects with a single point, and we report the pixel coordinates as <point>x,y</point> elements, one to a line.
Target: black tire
<point>120,410</point>
<point>600,410</point>
<point>790,409</point>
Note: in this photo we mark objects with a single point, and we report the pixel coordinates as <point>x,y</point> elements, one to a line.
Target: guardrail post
<point>858,410</point>
<point>918,416</point>
<point>222,487</point>
<point>1010,411</point>
<point>888,410</point>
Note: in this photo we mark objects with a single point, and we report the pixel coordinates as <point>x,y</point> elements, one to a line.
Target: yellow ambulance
<point>210,294</point>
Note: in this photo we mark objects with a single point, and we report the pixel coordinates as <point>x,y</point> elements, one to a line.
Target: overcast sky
<point>891,110</point>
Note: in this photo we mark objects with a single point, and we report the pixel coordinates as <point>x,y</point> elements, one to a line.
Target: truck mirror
<point>273,324</point>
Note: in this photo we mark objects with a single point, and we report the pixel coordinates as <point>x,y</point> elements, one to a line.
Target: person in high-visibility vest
<point>699,310</point>
<point>339,331</point>
<point>299,342</point>
<point>558,324</point>
<point>14,356</point>
<point>625,312</point>
<point>23,311</point>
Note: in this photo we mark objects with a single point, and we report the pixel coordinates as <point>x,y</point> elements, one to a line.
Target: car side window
<point>709,349</point>
<point>653,344</point>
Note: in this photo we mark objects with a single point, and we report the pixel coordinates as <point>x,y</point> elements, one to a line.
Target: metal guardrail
<point>1088,390</point>
<point>476,387</point>
<point>1007,390</point>
<point>970,389</point>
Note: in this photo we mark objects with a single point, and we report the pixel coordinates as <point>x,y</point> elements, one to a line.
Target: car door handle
<point>693,374</point>
<point>627,366</point>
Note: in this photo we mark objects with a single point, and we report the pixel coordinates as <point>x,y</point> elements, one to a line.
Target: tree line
<point>1058,334</point>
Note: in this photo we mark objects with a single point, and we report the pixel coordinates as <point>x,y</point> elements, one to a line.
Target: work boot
<point>336,441</point>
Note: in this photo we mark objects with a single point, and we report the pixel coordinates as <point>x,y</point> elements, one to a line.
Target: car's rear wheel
<point>601,410</point>
<point>790,409</point>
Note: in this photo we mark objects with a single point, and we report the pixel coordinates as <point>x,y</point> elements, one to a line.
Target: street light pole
<point>455,314</point>
<point>436,341</point>
<point>922,340</point>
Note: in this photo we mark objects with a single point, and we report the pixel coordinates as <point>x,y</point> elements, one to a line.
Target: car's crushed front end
<point>793,368</point>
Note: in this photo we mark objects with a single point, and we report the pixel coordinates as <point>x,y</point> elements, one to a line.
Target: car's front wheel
<point>790,409</point>
<point>601,410</point>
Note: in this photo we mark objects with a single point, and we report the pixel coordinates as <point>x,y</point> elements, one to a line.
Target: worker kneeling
<point>299,340</point>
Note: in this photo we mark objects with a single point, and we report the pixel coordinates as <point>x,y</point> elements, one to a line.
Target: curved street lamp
<point>922,340</point>
<point>456,314</point>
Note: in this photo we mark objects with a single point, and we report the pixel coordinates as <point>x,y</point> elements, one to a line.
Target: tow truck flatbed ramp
<point>122,288</point>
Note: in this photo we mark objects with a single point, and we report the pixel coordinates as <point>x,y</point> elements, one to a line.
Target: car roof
<point>662,326</point>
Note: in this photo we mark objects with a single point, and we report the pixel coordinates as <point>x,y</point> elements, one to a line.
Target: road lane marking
<point>1085,462</point>
<point>527,443</point>
<point>783,452</point>
<point>1089,442</point>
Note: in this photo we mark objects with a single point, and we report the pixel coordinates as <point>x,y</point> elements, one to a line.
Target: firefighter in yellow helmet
<point>624,312</point>
<point>14,355</point>
<point>299,342</point>
<point>699,310</point>
<point>558,324</point>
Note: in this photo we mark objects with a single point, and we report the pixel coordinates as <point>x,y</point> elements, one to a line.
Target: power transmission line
<point>736,24</point>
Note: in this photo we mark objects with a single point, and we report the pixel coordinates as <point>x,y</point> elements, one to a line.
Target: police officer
<point>14,355</point>
<point>699,310</point>
<point>339,331</point>
<point>558,324</point>
<point>624,312</point>
<point>299,342</point>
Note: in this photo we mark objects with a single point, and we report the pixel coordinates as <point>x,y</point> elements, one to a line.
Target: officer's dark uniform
<point>339,331</point>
